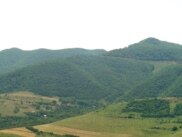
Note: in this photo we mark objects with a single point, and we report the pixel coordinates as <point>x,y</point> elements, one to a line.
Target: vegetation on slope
<point>112,121</point>
<point>84,77</point>
<point>167,82</point>
<point>20,103</point>
<point>150,49</point>
<point>149,108</point>
<point>12,59</point>
<point>46,134</point>
<point>27,109</point>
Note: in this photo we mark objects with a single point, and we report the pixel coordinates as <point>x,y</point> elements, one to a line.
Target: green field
<point>111,122</point>
<point>8,135</point>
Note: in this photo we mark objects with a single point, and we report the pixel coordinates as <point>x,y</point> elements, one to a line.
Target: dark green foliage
<point>33,129</point>
<point>167,82</point>
<point>84,77</point>
<point>149,108</point>
<point>12,59</point>
<point>178,109</point>
<point>150,49</point>
<point>46,134</point>
<point>174,128</point>
<point>37,118</point>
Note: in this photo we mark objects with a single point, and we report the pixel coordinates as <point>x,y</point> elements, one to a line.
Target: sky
<point>90,24</point>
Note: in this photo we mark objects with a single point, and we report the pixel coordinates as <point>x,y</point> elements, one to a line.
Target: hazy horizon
<point>86,48</point>
<point>97,24</point>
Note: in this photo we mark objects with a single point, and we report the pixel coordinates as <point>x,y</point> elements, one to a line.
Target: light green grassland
<point>110,122</point>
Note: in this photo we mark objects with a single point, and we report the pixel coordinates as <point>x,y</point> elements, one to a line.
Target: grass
<point>8,135</point>
<point>111,122</point>
<point>18,103</point>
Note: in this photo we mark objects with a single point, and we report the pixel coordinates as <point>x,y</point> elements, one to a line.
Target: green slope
<point>12,59</point>
<point>84,77</point>
<point>167,82</point>
<point>150,49</point>
<point>111,121</point>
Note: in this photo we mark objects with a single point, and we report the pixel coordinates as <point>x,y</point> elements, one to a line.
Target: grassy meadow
<point>111,122</point>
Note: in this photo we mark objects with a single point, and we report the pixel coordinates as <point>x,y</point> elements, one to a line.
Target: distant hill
<point>84,77</point>
<point>150,49</point>
<point>150,68</point>
<point>14,58</point>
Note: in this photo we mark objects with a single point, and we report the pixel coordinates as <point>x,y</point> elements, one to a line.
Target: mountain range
<point>149,68</point>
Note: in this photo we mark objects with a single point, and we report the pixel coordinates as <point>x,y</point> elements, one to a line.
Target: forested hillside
<point>12,59</point>
<point>84,77</point>
<point>150,49</point>
<point>167,82</point>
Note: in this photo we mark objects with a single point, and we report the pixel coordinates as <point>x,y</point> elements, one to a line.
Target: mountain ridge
<point>14,58</point>
<point>150,49</point>
<point>86,73</point>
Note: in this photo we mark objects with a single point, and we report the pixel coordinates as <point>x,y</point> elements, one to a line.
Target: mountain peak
<point>151,40</point>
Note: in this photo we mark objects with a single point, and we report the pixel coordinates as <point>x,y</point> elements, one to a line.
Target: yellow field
<point>81,133</point>
<point>23,132</point>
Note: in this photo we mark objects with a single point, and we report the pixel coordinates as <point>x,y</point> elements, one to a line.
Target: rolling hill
<point>84,77</point>
<point>151,70</point>
<point>14,58</point>
<point>143,81</point>
<point>150,49</point>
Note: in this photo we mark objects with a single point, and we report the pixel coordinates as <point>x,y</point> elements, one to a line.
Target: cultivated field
<point>16,132</point>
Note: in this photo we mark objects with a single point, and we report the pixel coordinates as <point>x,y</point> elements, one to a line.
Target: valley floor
<point>107,122</point>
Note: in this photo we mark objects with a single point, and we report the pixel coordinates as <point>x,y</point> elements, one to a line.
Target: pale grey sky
<point>90,24</point>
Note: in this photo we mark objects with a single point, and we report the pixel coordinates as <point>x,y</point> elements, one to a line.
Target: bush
<point>174,128</point>
<point>149,108</point>
<point>33,129</point>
